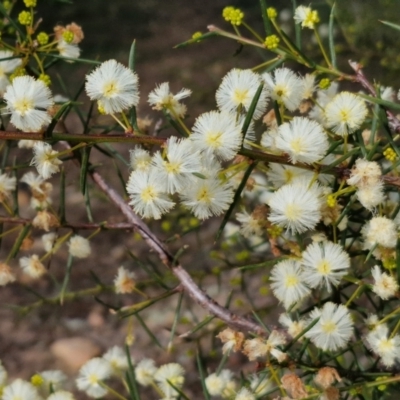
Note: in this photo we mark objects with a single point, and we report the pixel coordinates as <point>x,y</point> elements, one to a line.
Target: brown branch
<point>394,122</point>
<point>83,138</point>
<point>88,226</point>
<point>200,296</point>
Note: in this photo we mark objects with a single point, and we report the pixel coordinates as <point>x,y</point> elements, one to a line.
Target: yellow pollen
<point>291,280</point>
<point>240,96</point>
<point>385,345</point>
<point>23,106</point>
<point>329,327</point>
<point>110,89</point>
<point>293,212</point>
<point>297,145</point>
<point>280,91</point>
<point>93,379</point>
<point>204,196</point>
<point>288,176</point>
<point>172,168</point>
<point>213,139</point>
<point>324,267</point>
<point>148,195</point>
<point>344,115</point>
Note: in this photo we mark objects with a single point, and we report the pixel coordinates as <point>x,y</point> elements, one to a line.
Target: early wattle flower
<point>237,91</point>
<point>114,86</point>
<point>345,113</point>
<point>28,101</point>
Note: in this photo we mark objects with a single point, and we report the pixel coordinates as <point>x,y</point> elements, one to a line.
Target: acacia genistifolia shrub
<point>303,175</point>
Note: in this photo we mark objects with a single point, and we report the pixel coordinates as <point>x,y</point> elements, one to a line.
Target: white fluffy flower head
<point>288,282</point>
<point>237,91</point>
<point>147,199</point>
<point>145,371</point>
<point>173,373</point>
<point>296,206</point>
<point>207,197</point>
<point>7,67</point>
<point>140,159</point>
<point>217,133</point>
<point>117,358</point>
<point>175,169</point>
<point>28,101</point>
<point>79,247</point>
<point>333,329</point>
<point>285,87</point>
<point>325,263</point>
<point>216,384</point>
<point>303,140</point>
<point>91,373</point>
<point>381,231</point>
<point>345,113</point>
<point>20,389</point>
<point>386,347</point>
<point>114,86</point>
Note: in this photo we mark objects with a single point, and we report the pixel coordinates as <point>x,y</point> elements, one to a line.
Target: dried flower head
<point>232,340</point>
<point>32,266</point>
<point>365,173</point>
<point>385,285</point>
<point>45,160</point>
<point>162,99</point>
<point>125,281</point>
<point>327,376</point>
<point>6,275</point>
<point>45,220</point>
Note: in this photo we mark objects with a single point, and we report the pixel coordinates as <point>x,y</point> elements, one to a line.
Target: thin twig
<point>104,225</point>
<point>200,296</point>
<point>394,122</point>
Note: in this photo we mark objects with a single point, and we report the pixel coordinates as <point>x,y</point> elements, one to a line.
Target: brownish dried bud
<point>233,340</point>
<point>45,220</point>
<point>77,31</point>
<point>250,184</point>
<point>294,386</point>
<point>27,243</point>
<point>331,393</point>
<point>305,105</point>
<point>254,348</point>
<point>72,27</point>
<point>260,213</point>
<point>6,275</point>
<point>270,118</point>
<point>326,377</point>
